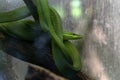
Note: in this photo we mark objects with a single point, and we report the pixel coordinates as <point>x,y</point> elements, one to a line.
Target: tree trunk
<point>101,46</point>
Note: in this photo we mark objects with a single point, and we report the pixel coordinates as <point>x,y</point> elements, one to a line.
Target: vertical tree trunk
<point>102,45</point>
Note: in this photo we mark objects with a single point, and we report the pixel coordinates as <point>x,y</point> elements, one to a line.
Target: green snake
<point>65,55</point>
<point>57,38</point>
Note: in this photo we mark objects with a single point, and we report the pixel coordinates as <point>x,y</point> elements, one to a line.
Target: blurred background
<point>96,20</point>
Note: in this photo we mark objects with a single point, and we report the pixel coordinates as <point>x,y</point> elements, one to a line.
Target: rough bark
<point>101,45</point>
